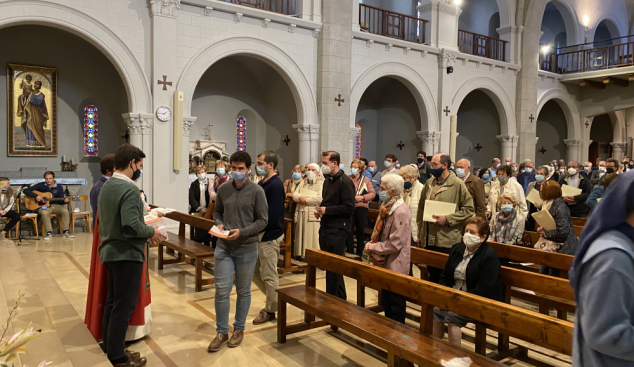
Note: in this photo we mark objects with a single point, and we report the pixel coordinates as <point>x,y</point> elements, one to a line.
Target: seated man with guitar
<point>44,194</point>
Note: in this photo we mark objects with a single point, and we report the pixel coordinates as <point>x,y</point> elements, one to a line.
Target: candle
<point>64,158</point>
<point>72,161</point>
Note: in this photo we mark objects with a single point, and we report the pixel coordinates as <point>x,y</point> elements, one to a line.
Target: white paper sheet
<point>569,191</point>
<point>545,220</point>
<point>218,233</point>
<point>534,197</point>
<point>307,193</point>
<point>437,208</point>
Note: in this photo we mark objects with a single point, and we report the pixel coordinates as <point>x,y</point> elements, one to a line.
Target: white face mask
<point>471,240</point>
<point>572,171</point>
<point>325,169</point>
<point>202,176</point>
<point>310,175</point>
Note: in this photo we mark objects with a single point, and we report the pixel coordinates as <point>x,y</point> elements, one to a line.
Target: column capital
<point>166,8</point>
<point>508,138</point>
<point>442,6</point>
<point>431,137</point>
<point>573,143</point>
<point>353,134</point>
<point>139,123</point>
<point>510,30</point>
<point>620,146</point>
<point>188,122</point>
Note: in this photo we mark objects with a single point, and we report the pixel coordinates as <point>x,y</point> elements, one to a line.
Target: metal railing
<point>391,24</point>
<point>600,58</point>
<point>481,45</point>
<point>287,7</point>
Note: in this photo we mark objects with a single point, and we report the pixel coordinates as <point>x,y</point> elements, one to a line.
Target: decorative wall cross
<point>542,150</point>
<point>165,82</point>
<point>400,145</point>
<point>126,136</point>
<point>587,124</point>
<point>286,140</point>
<point>447,111</point>
<point>531,118</point>
<point>340,100</point>
<point>478,147</point>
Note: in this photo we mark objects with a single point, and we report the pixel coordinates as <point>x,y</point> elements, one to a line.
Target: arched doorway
<point>247,87</point>
<point>478,128</point>
<point>85,77</point>
<point>559,27</point>
<point>605,34</point>
<point>388,114</point>
<point>551,130</point>
<point>601,134</point>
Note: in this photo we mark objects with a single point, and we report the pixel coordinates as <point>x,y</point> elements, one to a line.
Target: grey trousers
<point>265,275</point>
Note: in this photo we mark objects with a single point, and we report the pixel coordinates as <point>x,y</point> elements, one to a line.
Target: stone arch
<point>506,9</point>
<point>262,50</point>
<point>568,105</point>
<point>497,94</point>
<point>612,25</point>
<point>60,16</point>
<point>571,22</point>
<point>410,78</point>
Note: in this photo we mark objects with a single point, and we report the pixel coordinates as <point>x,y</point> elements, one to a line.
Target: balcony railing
<point>481,45</point>
<point>600,58</point>
<point>391,24</point>
<point>286,7</point>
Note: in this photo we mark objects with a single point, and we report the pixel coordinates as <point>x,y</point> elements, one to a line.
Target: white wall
<point>478,123</point>
<point>480,17</point>
<point>85,76</point>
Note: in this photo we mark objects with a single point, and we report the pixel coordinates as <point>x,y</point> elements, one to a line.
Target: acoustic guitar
<point>47,197</point>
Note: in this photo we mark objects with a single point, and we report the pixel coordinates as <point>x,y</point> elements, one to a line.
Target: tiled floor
<point>55,276</point>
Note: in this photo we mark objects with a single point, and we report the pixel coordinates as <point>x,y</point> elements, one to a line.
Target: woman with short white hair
<point>411,195</point>
<point>391,241</point>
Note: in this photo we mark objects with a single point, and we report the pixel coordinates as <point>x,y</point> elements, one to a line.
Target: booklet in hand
<point>215,231</point>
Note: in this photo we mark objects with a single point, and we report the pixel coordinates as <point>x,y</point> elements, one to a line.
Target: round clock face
<point>163,113</point>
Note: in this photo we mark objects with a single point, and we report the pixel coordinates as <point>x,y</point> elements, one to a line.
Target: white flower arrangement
<point>10,349</point>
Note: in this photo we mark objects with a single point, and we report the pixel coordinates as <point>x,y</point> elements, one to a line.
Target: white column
<point>354,131</point>
<point>315,155</point>
<point>304,9</point>
<point>617,151</point>
<point>453,137</point>
<point>140,130</point>
<point>443,23</point>
<point>508,146</point>
<point>512,35</point>
<point>430,141</point>
<point>303,132</point>
<point>572,150</point>
<point>355,16</point>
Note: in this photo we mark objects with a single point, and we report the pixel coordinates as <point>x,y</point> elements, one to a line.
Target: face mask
<point>572,171</point>
<point>507,208</point>
<point>451,168</point>
<point>485,176</point>
<point>420,160</point>
<point>561,170</point>
<point>407,185</point>
<point>552,169</point>
<point>261,171</point>
<point>497,165</point>
<point>539,178</point>
<point>136,175</point>
<point>354,171</point>
<point>398,166</point>
<point>387,164</point>
<point>602,169</point>
<point>220,171</point>
<point>341,166</point>
<point>610,170</point>
<point>297,176</point>
<point>586,169</point>
<point>325,169</point>
<point>383,196</point>
<point>237,176</point>
<point>310,175</point>
<point>437,172</point>
<point>528,170</point>
<point>371,169</point>
<point>202,176</point>
<point>4,190</point>
<point>514,169</point>
<point>460,172</point>
<point>508,163</point>
<point>502,179</point>
<point>471,240</point>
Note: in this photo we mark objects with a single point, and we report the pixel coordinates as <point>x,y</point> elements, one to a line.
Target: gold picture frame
<point>32,111</point>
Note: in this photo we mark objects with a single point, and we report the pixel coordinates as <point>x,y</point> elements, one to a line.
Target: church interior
<point>191,82</point>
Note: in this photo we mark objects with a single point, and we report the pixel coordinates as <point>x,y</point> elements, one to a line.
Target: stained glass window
<point>91,132</point>
<point>241,136</point>
<point>357,151</point>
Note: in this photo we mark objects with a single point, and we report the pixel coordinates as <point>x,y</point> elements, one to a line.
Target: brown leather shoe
<point>217,343</point>
<point>236,338</point>
<point>135,356</point>
<point>131,363</point>
<point>263,317</point>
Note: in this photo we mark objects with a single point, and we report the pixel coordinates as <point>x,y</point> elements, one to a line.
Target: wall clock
<point>163,114</point>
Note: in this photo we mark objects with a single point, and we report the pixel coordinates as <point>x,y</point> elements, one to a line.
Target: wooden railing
<point>391,24</point>
<point>481,45</point>
<point>600,58</point>
<point>286,7</point>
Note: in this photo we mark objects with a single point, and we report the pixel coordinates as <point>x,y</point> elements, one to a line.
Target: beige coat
<point>311,201</point>
<point>306,225</point>
<point>511,187</point>
<point>411,199</point>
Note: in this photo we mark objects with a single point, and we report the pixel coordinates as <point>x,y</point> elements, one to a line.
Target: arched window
<point>357,152</point>
<point>241,136</point>
<point>91,132</point>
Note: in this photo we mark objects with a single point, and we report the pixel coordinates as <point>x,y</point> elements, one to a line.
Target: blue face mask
<point>261,171</point>
<point>383,196</point>
<point>502,179</point>
<point>486,176</point>
<point>237,176</point>
<point>354,171</point>
<point>407,185</point>
<point>586,169</point>
<point>460,172</point>
<point>371,169</point>
<point>514,169</point>
<point>297,176</point>
<point>387,164</point>
<point>220,171</point>
<point>341,166</point>
<point>497,165</point>
<point>539,178</point>
<point>528,170</point>
<point>507,208</point>
<point>552,168</point>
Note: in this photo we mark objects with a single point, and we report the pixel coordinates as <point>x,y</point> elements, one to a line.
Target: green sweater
<point>121,226</point>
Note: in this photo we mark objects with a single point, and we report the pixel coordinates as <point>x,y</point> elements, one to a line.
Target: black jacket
<point>338,198</point>
<point>275,194</point>
<point>483,271</point>
<point>580,208</point>
<point>564,232</point>
<point>194,196</point>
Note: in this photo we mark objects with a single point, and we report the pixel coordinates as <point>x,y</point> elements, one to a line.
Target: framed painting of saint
<point>32,111</point>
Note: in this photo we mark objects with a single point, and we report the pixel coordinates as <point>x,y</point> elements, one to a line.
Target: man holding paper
<point>576,188</point>
<point>445,204</point>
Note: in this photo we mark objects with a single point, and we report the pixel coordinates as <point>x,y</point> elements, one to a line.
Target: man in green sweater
<point>123,237</point>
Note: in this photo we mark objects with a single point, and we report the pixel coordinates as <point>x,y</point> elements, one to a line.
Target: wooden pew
<point>530,255</point>
<point>288,265</point>
<point>510,320</point>
<point>579,221</point>
<point>185,248</point>
<point>399,340</point>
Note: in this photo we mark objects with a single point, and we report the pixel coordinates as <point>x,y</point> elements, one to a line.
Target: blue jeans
<point>226,265</point>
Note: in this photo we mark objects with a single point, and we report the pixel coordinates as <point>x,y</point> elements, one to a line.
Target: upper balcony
<point>286,7</point>
<point>391,24</point>
<point>480,45</point>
